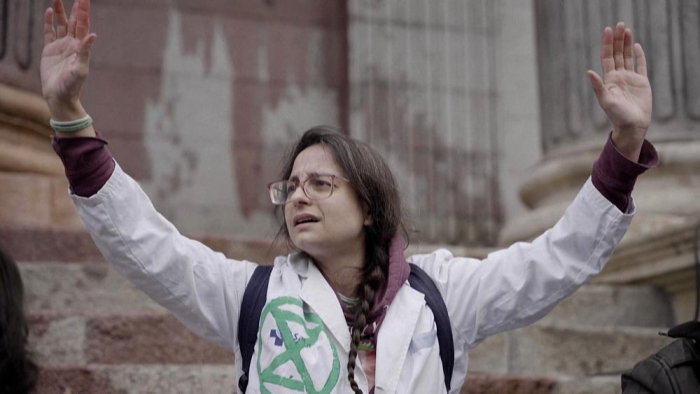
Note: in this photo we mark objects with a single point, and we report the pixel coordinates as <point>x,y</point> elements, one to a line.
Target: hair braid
<point>373,276</point>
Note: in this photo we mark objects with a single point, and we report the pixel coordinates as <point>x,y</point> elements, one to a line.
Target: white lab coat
<point>303,342</point>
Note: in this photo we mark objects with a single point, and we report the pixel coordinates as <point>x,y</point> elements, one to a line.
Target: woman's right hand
<point>65,58</point>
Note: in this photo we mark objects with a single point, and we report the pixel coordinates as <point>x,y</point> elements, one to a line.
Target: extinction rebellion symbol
<point>283,310</point>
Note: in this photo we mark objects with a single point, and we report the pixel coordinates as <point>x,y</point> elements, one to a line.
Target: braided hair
<point>375,188</point>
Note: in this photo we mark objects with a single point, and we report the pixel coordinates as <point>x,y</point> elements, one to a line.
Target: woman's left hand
<point>624,93</point>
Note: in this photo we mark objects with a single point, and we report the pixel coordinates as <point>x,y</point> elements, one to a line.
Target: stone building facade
<point>481,107</point>
<point>201,99</point>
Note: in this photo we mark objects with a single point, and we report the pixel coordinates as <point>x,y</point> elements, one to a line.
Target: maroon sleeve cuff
<point>87,161</point>
<point>614,175</point>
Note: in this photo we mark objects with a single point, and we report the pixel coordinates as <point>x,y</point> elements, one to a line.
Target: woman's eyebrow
<point>308,175</point>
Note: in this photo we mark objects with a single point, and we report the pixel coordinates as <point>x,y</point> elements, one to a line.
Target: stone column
<point>33,191</point>
<point>657,249</point>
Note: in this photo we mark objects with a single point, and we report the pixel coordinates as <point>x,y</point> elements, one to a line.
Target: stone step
<point>158,338</point>
<point>523,384</point>
<point>592,385</point>
<point>32,244</point>
<point>608,305</point>
<point>565,350</point>
<point>77,287</point>
<point>214,379</point>
<point>138,379</point>
<point>73,288</point>
<point>155,338</point>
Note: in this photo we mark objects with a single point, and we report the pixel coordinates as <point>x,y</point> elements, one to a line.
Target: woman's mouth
<point>304,218</point>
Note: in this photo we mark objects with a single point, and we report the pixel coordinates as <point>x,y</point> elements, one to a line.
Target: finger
<point>61,19</point>
<point>629,62</point>
<point>618,46</point>
<point>49,33</point>
<point>83,25</point>
<point>84,48</point>
<point>606,51</point>
<point>641,60</point>
<point>598,87</point>
<point>73,20</point>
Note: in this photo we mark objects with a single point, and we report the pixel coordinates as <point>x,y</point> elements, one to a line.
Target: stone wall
<point>443,89</point>
<point>199,99</point>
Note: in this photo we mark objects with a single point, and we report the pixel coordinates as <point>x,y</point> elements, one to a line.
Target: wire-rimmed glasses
<point>315,187</point>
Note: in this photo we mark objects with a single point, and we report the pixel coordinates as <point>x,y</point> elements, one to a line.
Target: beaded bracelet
<point>71,126</point>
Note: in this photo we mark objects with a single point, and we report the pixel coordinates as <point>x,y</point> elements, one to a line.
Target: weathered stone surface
<point>507,384</point>
<point>185,379</point>
<point>80,288</point>
<point>549,349</point>
<point>62,380</point>
<point>56,339</point>
<point>594,385</point>
<point>27,159</point>
<point>154,338</point>
<point>604,305</point>
<point>37,201</point>
<point>76,246</point>
<point>554,182</point>
<point>138,379</point>
<point>491,355</point>
<point>308,12</point>
<point>24,200</point>
<point>51,245</point>
<point>148,339</point>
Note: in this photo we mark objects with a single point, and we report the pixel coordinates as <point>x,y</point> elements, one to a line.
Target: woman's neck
<point>343,271</point>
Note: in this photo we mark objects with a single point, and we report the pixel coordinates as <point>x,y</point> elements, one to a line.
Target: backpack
<point>675,369</point>
<point>255,297</point>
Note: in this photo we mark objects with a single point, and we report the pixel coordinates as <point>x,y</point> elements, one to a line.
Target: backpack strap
<point>254,300</point>
<point>422,282</point>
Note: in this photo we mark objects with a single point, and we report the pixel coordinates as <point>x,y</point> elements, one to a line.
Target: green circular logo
<point>282,310</point>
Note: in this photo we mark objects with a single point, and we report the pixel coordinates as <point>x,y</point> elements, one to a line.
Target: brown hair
<point>375,188</point>
<point>18,372</point>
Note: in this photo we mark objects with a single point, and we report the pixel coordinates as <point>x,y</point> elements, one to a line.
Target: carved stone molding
<point>34,189</point>
<point>665,196</point>
<point>25,135</point>
<point>664,259</point>
<point>657,248</point>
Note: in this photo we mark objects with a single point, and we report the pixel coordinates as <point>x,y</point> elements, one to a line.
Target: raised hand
<point>623,93</point>
<point>65,58</point>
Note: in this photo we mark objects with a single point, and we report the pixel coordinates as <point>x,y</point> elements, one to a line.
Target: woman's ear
<point>368,217</point>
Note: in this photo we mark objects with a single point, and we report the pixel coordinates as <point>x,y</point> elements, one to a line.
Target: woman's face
<point>329,226</point>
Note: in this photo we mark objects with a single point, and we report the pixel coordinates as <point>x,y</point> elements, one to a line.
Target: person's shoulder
<point>424,256</point>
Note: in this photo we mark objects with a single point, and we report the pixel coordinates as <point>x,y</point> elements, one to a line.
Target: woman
<point>18,372</point>
<point>340,315</point>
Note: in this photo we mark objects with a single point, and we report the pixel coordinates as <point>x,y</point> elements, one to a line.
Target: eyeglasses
<point>315,187</point>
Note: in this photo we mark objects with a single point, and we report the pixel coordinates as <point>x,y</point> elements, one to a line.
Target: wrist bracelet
<point>70,126</point>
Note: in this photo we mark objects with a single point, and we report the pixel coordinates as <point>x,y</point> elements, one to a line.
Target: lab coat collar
<point>395,337</point>
<point>318,294</point>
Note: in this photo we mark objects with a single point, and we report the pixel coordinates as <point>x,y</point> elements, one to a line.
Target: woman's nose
<point>298,196</point>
